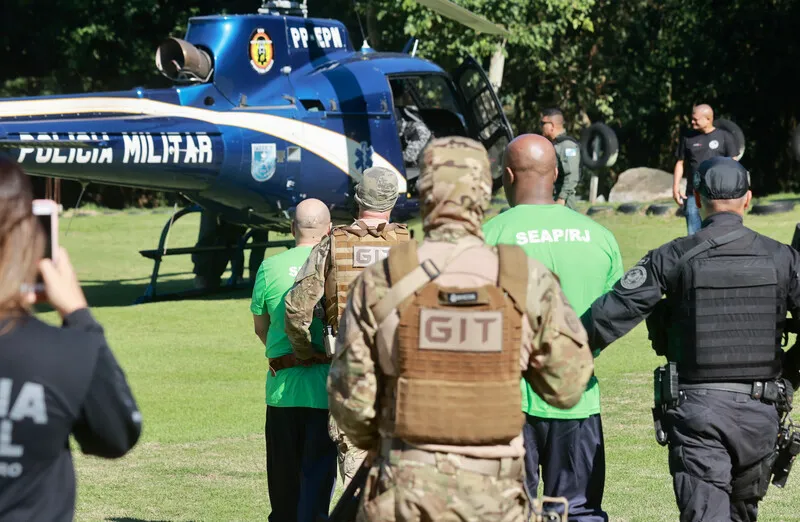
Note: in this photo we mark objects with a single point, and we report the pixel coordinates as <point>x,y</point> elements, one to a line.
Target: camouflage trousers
<point>349,457</point>
<point>408,491</point>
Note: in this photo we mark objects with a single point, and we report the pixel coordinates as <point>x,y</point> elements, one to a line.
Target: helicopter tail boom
<point>155,153</point>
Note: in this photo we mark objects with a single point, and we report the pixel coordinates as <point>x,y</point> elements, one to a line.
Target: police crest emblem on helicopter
<point>262,161</point>
<point>261,52</point>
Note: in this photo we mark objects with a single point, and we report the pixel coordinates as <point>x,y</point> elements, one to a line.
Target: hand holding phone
<point>46,212</point>
<point>56,282</point>
<point>61,286</point>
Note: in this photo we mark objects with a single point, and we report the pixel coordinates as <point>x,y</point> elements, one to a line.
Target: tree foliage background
<point>637,65</point>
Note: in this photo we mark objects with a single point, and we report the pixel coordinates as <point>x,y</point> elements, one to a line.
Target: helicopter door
<point>487,122</point>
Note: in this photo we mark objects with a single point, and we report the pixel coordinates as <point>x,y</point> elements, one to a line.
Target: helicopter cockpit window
<point>433,98</point>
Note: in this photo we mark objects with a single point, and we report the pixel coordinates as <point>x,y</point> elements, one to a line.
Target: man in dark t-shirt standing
<point>703,142</point>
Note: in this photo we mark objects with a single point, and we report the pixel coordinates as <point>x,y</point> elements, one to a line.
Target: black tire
<point>628,208</point>
<point>766,209</point>
<point>786,204</point>
<point>796,143</point>
<point>736,132</point>
<point>608,146</point>
<point>597,210</point>
<point>659,209</point>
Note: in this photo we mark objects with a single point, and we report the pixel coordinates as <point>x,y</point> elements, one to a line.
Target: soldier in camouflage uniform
<point>569,157</point>
<point>434,402</point>
<point>323,281</point>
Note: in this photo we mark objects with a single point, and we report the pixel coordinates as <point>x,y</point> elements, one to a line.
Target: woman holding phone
<point>54,382</point>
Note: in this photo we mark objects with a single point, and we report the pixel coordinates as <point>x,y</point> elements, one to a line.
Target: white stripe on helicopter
<point>331,146</point>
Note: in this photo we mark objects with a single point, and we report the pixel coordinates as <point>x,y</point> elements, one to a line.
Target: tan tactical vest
<point>353,248</point>
<point>458,356</point>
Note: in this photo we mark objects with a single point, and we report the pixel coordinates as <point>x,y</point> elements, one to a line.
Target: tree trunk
<point>373,35</point>
<point>496,66</point>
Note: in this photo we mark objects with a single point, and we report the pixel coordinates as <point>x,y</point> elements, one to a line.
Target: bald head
<point>531,155</point>
<point>703,118</point>
<point>530,170</point>
<point>312,220</point>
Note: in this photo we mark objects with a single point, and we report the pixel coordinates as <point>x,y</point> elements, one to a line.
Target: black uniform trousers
<point>719,442</point>
<point>573,461</point>
<point>301,464</point>
<point>213,232</point>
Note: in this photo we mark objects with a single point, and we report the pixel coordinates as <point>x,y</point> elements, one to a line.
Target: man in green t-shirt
<point>301,457</point>
<point>567,444</point>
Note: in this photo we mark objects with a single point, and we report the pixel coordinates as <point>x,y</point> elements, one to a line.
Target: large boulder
<point>642,185</point>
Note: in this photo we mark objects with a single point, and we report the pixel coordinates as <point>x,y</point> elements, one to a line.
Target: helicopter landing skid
<point>234,282</point>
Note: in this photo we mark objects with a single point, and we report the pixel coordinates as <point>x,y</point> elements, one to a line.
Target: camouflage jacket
<point>308,290</point>
<point>414,135</point>
<point>554,356</point>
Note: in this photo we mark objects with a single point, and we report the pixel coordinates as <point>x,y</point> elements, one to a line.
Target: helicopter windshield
<point>426,92</point>
<point>432,98</point>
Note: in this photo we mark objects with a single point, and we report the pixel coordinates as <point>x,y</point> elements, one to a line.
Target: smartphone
<point>46,211</point>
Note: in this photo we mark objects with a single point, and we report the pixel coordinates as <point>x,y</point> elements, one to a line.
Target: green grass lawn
<point>197,371</point>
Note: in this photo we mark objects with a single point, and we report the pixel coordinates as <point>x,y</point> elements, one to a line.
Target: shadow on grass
<point>128,292</point>
<point>121,293</point>
<point>127,519</point>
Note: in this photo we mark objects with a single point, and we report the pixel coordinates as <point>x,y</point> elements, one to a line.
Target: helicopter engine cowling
<point>179,60</point>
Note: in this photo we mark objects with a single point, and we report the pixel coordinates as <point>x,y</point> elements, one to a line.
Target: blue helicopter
<point>266,110</point>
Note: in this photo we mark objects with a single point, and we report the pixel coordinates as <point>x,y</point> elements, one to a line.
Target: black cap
<point>721,178</point>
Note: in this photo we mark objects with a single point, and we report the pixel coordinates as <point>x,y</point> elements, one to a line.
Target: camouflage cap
<point>378,189</point>
<point>455,187</point>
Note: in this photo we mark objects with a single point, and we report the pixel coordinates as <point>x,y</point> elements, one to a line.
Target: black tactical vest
<point>725,321</point>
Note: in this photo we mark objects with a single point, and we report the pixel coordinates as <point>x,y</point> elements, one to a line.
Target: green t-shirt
<point>586,258</point>
<point>292,387</point>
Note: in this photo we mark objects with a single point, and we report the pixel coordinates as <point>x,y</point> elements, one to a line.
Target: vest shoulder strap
<point>704,246</point>
<point>406,276</point>
<point>384,229</point>
<point>359,228</point>
<point>402,261</point>
<point>513,274</point>
<point>338,231</point>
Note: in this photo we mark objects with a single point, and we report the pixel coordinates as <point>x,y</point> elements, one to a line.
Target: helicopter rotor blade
<point>464,16</point>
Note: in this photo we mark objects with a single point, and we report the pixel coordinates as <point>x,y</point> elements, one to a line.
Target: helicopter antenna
<point>360,27</point>
<point>284,8</point>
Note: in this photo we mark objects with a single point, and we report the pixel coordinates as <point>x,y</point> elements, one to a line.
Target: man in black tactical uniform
<point>728,290</point>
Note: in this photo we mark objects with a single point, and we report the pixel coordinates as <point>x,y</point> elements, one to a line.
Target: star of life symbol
<point>363,157</point>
